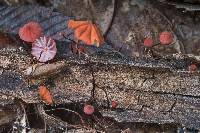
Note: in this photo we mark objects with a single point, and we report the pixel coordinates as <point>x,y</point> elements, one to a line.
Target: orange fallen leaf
<point>45,94</point>
<point>87,32</point>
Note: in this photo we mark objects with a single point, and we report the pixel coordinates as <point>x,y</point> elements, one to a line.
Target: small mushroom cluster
<point>165,38</point>
<point>43,48</point>
<point>89,109</point>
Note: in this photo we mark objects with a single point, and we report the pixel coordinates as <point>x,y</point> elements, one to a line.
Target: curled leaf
<point>45,95</point>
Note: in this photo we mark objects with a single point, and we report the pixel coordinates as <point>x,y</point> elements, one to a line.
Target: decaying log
<point>147,90</point>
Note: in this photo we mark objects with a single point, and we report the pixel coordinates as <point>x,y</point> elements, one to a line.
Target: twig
<point>24,110</point>
<point>101,123</point>
<point>60,122</point>
<point>112,18</point>
<point>69,111</point>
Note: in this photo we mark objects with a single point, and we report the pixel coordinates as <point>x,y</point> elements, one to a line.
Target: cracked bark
<point>160,99</point>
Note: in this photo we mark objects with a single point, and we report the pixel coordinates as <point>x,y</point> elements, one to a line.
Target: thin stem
<point>66,37</point>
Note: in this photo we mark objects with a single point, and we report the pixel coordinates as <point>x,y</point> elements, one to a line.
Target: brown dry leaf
<point>5,40</point>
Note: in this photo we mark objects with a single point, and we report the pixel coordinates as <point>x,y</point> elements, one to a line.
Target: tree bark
<point>147,90</point>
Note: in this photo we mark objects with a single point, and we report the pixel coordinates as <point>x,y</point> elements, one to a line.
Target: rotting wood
<point>147,90</point>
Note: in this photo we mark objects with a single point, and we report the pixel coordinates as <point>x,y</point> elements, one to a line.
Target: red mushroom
<point>148,42</point>
<point>166,38</point>
<point>30,32</point>
<point>114,104</point>
<point>88,109</point>
<point>192,67</point>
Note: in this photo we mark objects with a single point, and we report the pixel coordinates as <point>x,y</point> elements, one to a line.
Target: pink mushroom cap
<point>88,109</point>
<point>30,31</point>
<point>166,38</point>
<point>148,42</point>
<point>44,49</point>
